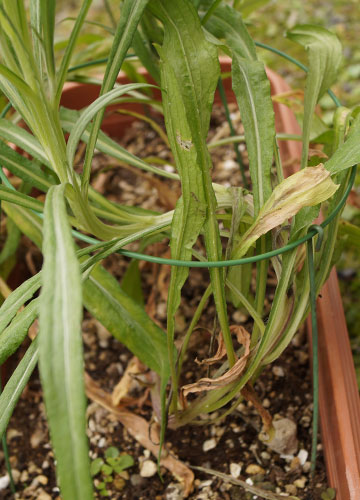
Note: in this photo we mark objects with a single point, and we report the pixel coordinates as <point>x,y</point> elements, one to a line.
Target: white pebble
<point>148,468</point>
<point>209,444</point>
<point>235,470</point>
<point>229,164</point>
<point>249,481</point>
<point>4,482</point>
<point>302,456</point>
<point>300,483</point>
<point>102,442</point>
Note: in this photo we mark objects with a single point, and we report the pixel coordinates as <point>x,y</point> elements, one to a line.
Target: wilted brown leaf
<point>208,384</point>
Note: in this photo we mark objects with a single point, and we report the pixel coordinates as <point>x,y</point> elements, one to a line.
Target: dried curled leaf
<point>306,188</point>
<point>208,384</point>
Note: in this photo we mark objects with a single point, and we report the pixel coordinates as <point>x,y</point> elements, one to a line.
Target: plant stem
<point>210,11</point>
<point>193,323</point>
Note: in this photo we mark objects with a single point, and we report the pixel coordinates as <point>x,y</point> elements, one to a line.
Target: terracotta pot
<point>339,398</point>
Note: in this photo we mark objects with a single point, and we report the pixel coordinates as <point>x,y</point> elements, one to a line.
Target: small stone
<point>302,456</point>
<point>278,371</point>
<point>239,317</point>
<point>266,403</point>
<point>235,470</point>
<point>307,467</point>
<point>37,437</point>
<point>16,474</point>
<point>42,495</point>
<point>302,357</point>
<point>174,492</point>
<point>118,483</point>
<point>32,468</point>
<point>24,476</point>
<point>254,469</point>
<point>4,482</point>
<point>265,455</point>
<point>291,489</point>
<point>12,433</point>
<point>295,463</point>
<point>136,480</point>
<point>102,442</point>
<point>284,441</point>
<point>300,483</point>
<point>249,481</point>
<point>229,164</point>
<point>148,468</point>
<point>42,479</point>
<point>209,444</point>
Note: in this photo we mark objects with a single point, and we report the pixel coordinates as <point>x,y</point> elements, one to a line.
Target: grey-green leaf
<point>15,333</point>
<point>17,298</point>
<point>60,350</point>
<point>16,384</point>
<point>348,154</point>
<point>325,55</point>
<point>252,90</point>
<point>126,320</point>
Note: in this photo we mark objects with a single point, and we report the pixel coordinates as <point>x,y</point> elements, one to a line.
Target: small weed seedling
<point>113,463</point>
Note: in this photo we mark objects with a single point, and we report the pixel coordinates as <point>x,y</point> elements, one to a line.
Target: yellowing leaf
<point>306,188</point>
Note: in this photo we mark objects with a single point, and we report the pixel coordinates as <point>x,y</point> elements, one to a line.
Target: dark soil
<point>230,445</point>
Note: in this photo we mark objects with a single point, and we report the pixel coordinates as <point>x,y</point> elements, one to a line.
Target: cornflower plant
<point>179,42</point>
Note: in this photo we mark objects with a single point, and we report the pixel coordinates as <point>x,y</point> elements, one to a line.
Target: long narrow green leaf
<point>23,139</point>
<point>16,41</point>
<point>108,146</point>
<point>91,111</point>
<point>12,241</point>
<point>252,90</point>
<point>325,55</point>
<point>18,298</point>
<point>16,384</point>
<point>23,167</point>
<point>15,80</point>
<point>61,76</point>
<point>60,351</point>
<point>131,13</point>
<point>47,13</point>
<point>35,21</point>
<point>348,154</point>
<point>189,75</point>
<point>126,320</point>
<point>144,52</point>
<point>15,333</point>
<point>21,199</point>
<point>26,220</point>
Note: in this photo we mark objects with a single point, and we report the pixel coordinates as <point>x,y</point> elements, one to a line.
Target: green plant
<point>114,464</point>
<point>182,42</point>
